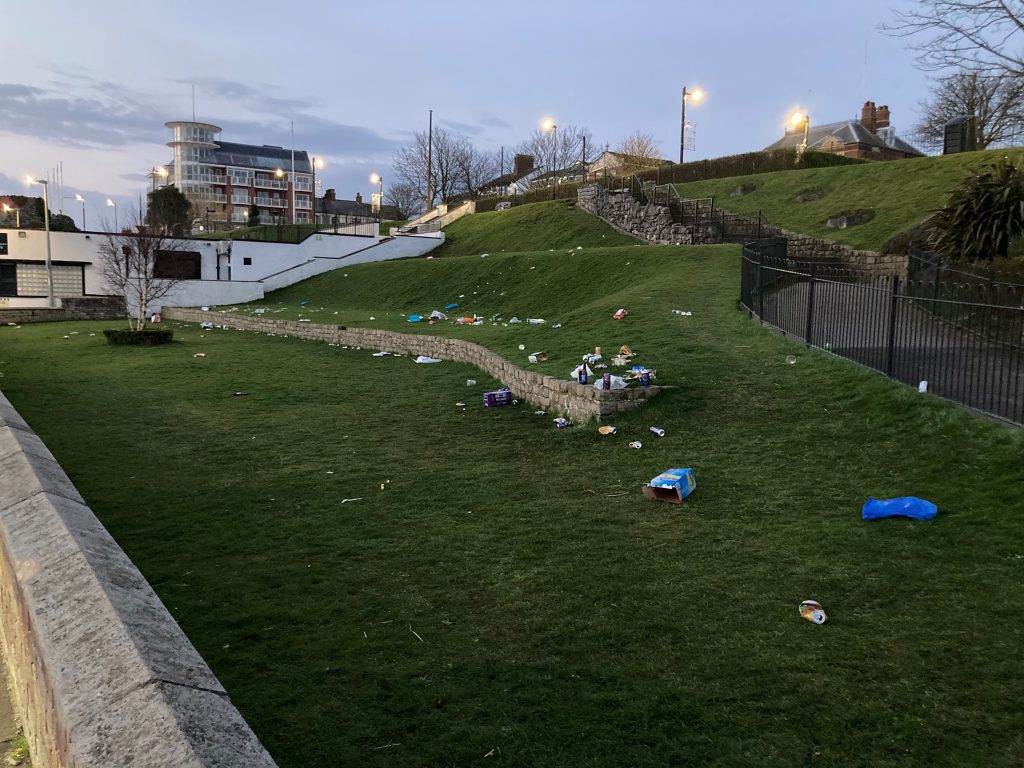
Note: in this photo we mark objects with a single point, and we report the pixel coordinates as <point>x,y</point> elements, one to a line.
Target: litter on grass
<point>616,382</point>
<point>346,501</point>
<point>607,430</point>
<point>563,423</point>
<point>413,319</point>
<point>537,357</point>
<point>625,351</point>
<point>576,372</point>
<point>425,359</point>
<point>240,394</point>
<point>199,354</point>
<point>451,306</point>
<point>904,506</point>
<point>681,312</point>
<point>470,382</point>
<point>812,611</point>
<point>621,313</point>
<point>498,398</point>
<point>436,315</point>
<point>636,444</point>
<point>658,431</point>
<point>672,485</point>
<point>381,354</point>
<point>790,360</point>
<point>535,321</point>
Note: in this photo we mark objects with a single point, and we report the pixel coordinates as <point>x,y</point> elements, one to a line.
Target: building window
<point>68,280</point>
<point>247,261</point>
<point>180,265</point>
<point>3,243</point>
<point>8,280</point>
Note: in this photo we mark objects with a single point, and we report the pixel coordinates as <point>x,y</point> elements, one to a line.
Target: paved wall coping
<point>102,674</point>
<point>577,401</point>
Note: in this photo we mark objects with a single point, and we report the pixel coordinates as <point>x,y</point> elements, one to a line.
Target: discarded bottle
<point>636,444</point>
<point>645,379</point>
<point>658,431</point>
<point>606,380</point>
<point>583,374</point>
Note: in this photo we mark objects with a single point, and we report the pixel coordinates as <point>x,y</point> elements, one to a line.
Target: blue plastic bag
<point>905,506</point>
<point>413,319</point>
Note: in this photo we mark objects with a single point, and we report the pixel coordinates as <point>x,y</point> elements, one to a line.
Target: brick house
<point>871,137</point>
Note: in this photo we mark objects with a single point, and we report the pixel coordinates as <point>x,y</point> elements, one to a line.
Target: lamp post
<point>376,178</point>
<point>17,215</point>
<point>158,171</point>
<point>546,126</point>
<point>112,204</point>
<point>279,173</point>
<point>50,302</point>
<point>795,120</point>
<point>697,95</point>
<point>317,162</point>
<point>80,199</point>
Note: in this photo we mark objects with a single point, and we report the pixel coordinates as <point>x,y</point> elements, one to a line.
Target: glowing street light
<point>17,215</point>
<point>80,199</point>
<point>316,162</point>
<point>696,96</point>
<point>798,118</point>
<point>46,221</point>
<point>548,126</point>
<point>376,178</point>
<point>112,204</point>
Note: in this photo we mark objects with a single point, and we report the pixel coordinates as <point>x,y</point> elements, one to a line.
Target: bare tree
<point>405,197</point>
<point>475,167</point>
<point>641,148</point>
<point>141,267</point>
<point>410,164</point>
<point>996,101</point>
<point>559,148</point>
<point>981,35</point>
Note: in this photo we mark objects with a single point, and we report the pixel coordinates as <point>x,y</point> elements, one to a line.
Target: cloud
<point>468,129</point>
<point>493,121</point>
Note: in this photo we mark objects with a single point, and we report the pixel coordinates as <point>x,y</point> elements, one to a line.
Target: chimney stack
<point>522,164</point>
<point>867,116</point>
<point>882,117</point>
<point>359,198</point>
<point>330,195</point>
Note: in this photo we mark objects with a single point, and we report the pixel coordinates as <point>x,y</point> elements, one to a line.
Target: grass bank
<point>901,193</point>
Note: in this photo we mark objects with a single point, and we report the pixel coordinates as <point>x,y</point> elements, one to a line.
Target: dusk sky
<point>91,84</point>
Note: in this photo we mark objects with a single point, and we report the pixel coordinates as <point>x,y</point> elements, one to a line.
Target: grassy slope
<point>532,227</point>
<point>560,625</point>
<point>901,193</point>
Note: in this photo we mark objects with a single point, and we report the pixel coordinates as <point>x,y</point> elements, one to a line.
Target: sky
<point>90,85</point>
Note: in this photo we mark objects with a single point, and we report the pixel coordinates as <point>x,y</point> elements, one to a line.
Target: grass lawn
<point>902,193</point>
<point>510,593</point>
<point>532,227</point>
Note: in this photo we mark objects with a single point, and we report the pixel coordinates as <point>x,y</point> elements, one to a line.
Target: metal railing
<point>271,202</point>
<point>269,184</point>
<point>965,341</point>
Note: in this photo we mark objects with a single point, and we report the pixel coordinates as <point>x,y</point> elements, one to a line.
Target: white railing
<point>303,185</point>
<point>303,204</point>
<point>209,197</point>
<point>270,202</point>
<point>270,184</point>
<point>206,179</point>
<point>240,199</point>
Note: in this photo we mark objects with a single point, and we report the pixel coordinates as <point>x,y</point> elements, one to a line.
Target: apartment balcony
<point>270,184</point>
<point>303,204</point>
<point>270,202</point>
<point>207,179</point>
<point>208,197</point>
<point>239,199</point>
<point>303,185</point>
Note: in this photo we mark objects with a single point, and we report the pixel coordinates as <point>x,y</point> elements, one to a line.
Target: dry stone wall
<point>647,221</point>
<point>577,401</point>
<point>76,308</point>
<point>102,675</point>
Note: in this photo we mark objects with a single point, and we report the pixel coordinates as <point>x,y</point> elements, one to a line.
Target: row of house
<point>872,137</point>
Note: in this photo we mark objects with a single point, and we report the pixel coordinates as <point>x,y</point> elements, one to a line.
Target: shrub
<point>149,337</point>
<point>985,214</point>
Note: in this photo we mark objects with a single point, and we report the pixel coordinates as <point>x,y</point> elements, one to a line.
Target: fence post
<point>758,225</point>
<point>810,308</point>
<point>893,304</point>
<point>760,284</point>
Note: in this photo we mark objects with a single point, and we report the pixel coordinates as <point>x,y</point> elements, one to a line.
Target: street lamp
<point>697,95</point>
<point>112,204</point>
<point>80,199</point>
<point>46,221</point>
<point>317,162</point>
<point>17,215</point>
<point>160,171</point>
<point>376,178</point>
<point>795,120</point>
<point>548,125</point>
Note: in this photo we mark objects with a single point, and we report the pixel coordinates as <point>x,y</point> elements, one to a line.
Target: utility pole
<point>430,159</point>
<point>584,157</point>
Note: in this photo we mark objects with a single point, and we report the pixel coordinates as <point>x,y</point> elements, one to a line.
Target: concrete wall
<point>102,675</point>
<point>578,401</point>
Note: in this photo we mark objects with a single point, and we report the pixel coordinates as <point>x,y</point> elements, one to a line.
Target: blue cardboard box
<point>672,485</point>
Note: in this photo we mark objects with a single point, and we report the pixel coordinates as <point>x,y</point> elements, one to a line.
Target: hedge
<point>148,337</point>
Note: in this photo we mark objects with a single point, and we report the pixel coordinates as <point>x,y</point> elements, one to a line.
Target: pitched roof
<point>648,162</point>
<point>506,179</point>
<point>264,158</point>
<point>844,132</point>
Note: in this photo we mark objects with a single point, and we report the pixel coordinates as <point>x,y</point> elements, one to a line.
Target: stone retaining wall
<point>577,401</point>
<point>102,675</point>
<point>647,221</point>
<point>75,308</point>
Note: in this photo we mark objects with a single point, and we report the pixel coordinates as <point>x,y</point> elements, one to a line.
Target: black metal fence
<point>965,341</point>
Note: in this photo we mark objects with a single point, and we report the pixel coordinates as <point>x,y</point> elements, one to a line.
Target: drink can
<point>645,379</point>
<point>583,375</point>
<point>607,381</point>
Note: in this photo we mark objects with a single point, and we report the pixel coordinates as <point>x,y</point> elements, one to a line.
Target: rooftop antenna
<point>193,102</point>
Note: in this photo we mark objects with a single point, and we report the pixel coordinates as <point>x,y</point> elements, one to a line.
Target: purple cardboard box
<point>497,398</point>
